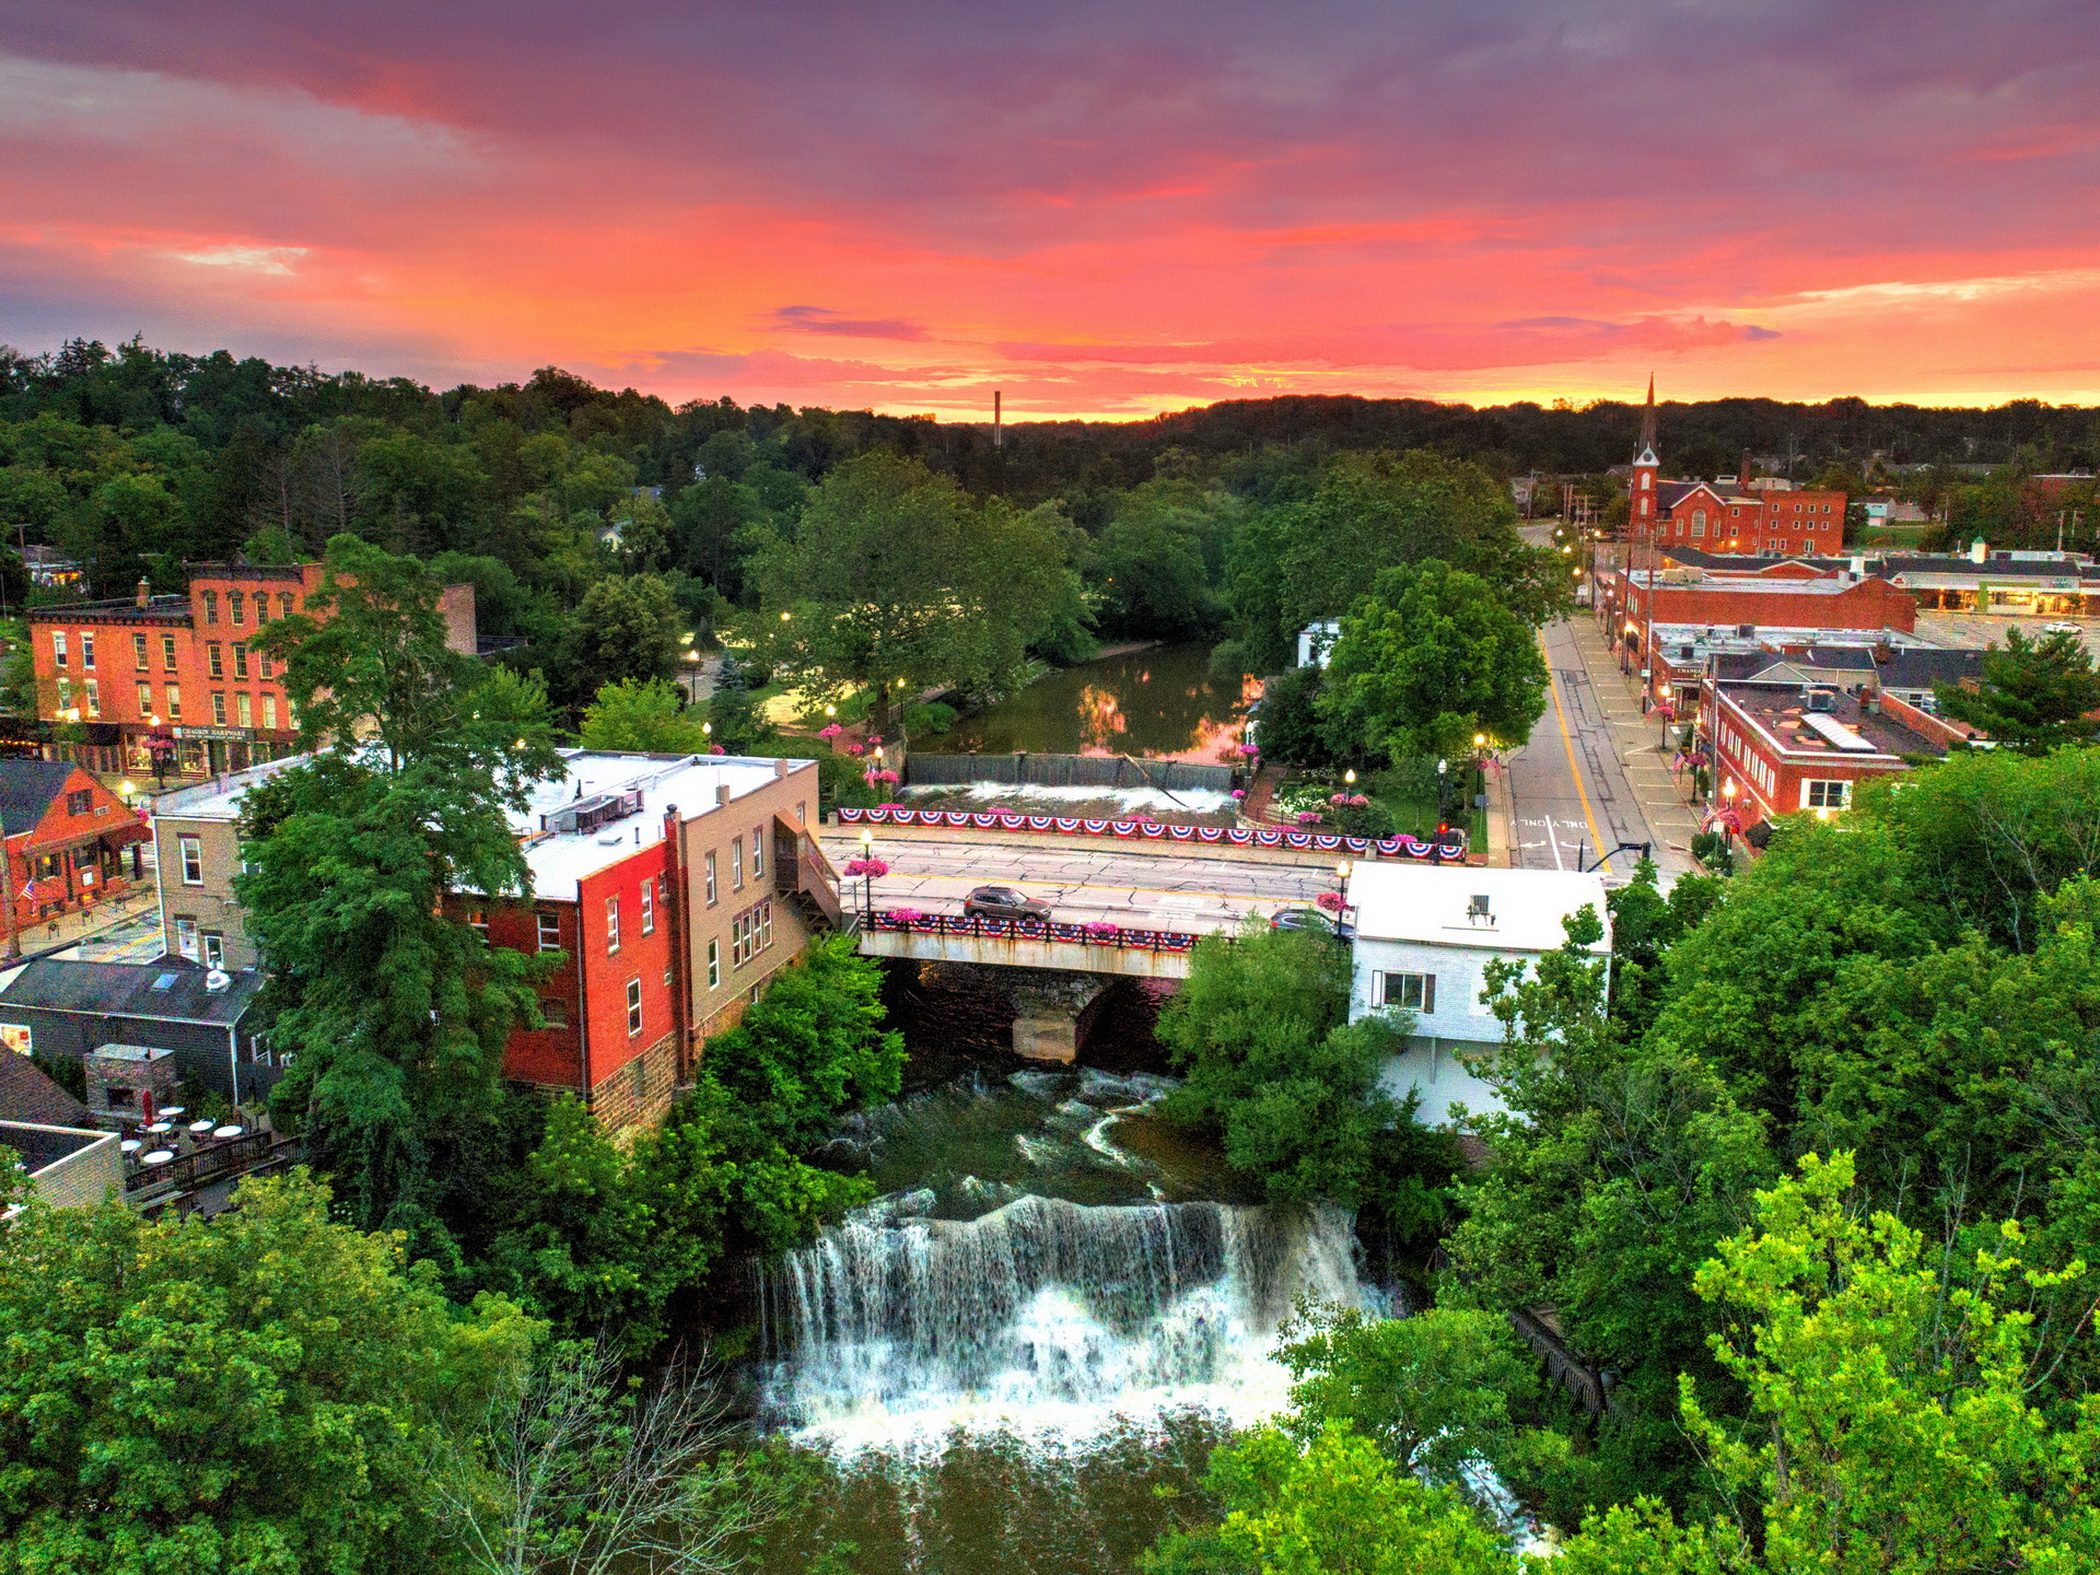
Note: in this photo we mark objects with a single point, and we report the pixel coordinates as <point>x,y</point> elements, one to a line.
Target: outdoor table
<point>200,1127</point>
<point>229,1132</point>
<point>129,1145</point>
<point>162,1126</point>
<point>171,1111</point>
<point>159,1156</point>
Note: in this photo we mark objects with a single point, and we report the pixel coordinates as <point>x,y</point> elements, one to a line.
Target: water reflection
<point>1160,703</point>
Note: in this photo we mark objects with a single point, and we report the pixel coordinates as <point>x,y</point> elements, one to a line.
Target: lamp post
<point>867,878</point>
<point>1341,874</point>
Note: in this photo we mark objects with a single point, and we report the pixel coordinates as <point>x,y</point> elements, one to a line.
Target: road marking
<point>1574,765</point>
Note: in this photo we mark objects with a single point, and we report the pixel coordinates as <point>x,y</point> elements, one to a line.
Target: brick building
<point>674,885</point>
<point>1740,513</point>
<point>176,673</point>
<point>1638,601</point>
<point>1779,745</point>
<point>71,842</point>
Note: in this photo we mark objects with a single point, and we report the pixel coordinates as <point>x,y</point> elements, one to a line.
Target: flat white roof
<point>1430,904</point>
<point>561,859</point>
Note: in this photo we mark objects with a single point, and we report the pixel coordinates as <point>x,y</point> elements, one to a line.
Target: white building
<point>1424,937</point>
<point>1315,640</point>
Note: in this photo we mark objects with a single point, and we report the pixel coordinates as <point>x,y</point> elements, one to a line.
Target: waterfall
<point>1043,1318</point>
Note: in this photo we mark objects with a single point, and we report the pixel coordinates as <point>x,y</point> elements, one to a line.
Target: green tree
<point>1151,561</point>
<point>1437,1391</point>
<point>2035,696</point>
<point>645,714</point>
<point>263,1392</point>
<point>395,1009</point>
<point>623,629</point>
<point>1271,1064</point>
<point>1432,657</point>
<point>896,580</point>
<point>1289,727</point>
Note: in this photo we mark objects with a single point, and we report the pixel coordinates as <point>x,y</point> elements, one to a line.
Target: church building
<point>1740,513</point>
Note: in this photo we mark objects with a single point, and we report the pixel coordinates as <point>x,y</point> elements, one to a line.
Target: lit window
<point>94,698</point>
<point>612,925</point>
<point>550,931</point>
<point>478,921</point>
<point>174,702</point>
<point>1826,795</point>
<point>634,1007</point>
<point>192,849</point>
<point>58,646</point>
<point>145,701</point>
<point>138,652</point>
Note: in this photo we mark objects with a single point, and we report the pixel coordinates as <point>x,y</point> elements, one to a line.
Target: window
<point>648,907</point>
<point>478,921</point>
<point>554,1012</point>
<point>138,652</point>
<point>1826,795</point>
<point>58,646</point>
<point>550,931</point>
<point>284,604</point>
<point>145,701</point>
<point>1647,480</point>
<point>94,698</point>
<point>801,812</point>
<point>239,602</point>
<point>634,1007</point>
<point>711,891</point>
<point>80,801</point>
<point>270,711</point>
<point>736,865</point>
<point>758,852</point>
<point>218,708</point>
<point>87,652</point>
<point>65,694</point>
<point>167,653</point>
<point>262,609</point>
<point>174,702</point>
<point>240,657</point>
<point>1698,522</point>
<point>214,949</point>
<point>262,663</point>
<point>215,659</point>
<point>1415,991</point>
<point>211,606</point>
<point>244,709</point>
<point>612,925</point>
<point>186,937</point>
<point>714,965</point>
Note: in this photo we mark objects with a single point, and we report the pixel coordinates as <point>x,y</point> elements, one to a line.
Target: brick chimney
<point>145,591</point>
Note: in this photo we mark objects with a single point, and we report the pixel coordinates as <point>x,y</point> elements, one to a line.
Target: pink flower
<point>1338,798</point>
<point>874,868</point>
<point>1308,817</point>
<point>1359,800</point>
<point>1250,749</point>
<point>874,739</point>
<point>880,776</point>
<point>832,731</point>
<point>1239,792</point>
<point>855,749</point>
<point>906,915</point>
<point>1329,901</point>
<point>716,749</point>
<point>1101,929</point>
<point>889,806</point>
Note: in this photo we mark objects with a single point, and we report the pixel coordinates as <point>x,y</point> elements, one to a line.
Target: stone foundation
<point>1053,1012</point>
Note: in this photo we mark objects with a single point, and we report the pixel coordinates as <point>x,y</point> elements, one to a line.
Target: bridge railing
<point>1447,849</point>
<point>1096,933</point>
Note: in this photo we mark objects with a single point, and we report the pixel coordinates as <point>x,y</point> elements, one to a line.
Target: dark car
<point>1312,919</point>
<point>1003,902</point>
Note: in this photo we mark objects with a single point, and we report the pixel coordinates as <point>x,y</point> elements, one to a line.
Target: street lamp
<point>1349,777</point>
<point>867,877</point>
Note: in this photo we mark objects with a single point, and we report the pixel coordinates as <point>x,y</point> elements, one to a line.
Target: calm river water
<point>1160,703</point>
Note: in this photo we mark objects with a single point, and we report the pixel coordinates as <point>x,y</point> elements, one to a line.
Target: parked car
<point>2063,628</point>
<point>1312,919</point>
<point>1003,902</point>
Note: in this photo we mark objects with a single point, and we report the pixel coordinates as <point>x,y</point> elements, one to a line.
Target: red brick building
<point>1740,513</point>
<point>176,675</point>
<point>71,842</point>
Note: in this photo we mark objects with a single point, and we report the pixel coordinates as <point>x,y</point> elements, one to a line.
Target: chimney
<point>1979,551</point>
<point>998,423</point>
<point>721,795</point>
<point>780,767</point>
<point>145,591</point>
<point>1742,480</point>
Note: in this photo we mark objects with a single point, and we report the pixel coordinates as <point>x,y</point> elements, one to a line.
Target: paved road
<point>1579,785</point>
<point>1140,890</point>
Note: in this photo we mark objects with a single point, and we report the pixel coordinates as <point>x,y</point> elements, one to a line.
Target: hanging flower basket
<point>1329,902</point>
<point>873,868</point>
<point>1101,929</point>
<point>885,778</point>
<point>832,731</point>
<point>906,915</point>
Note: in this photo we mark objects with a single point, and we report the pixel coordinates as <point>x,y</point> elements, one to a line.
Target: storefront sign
<point>234,735</point>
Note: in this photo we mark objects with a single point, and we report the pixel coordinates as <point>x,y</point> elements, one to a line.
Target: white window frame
<point>649,906</point>
<point>87,651</point>
<point>758,853</point>
<point>58,648</point>
<point>714,965</point>
<point>612,926</point>
<point>736,864</point>
<point>214,948</point>
<point>1815,788</point>
<point>1422,986</point>
<point>634,1008</point>
<point>186,944</point>
<point>191,851</point>
<point>549,931</point>
<point>714,893</point>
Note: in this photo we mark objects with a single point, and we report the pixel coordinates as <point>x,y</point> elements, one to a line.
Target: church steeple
<point>1645,454</point>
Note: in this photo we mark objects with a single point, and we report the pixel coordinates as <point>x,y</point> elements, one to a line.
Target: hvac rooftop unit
<point>1746,631</point>
<point>1821,700</point>
<point>1477,911</point>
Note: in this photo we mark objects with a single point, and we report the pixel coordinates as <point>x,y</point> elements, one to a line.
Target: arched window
<point>1647,480</point>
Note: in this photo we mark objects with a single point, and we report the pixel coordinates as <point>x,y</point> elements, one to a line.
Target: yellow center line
<point>1568,739</point>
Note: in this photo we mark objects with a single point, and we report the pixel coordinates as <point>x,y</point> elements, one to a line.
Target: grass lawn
<point>1414,810</point>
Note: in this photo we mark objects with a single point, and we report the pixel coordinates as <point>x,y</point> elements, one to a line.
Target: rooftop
<point>1434,905</point>
<point>1751,584</point>
<point>171,990</point>
<point>1721,639</point>
<point>1850,727</point>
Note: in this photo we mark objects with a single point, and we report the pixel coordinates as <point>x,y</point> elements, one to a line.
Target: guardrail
<point>203,1164</point>
<point>1449,849</point>
<point>1098,933</point>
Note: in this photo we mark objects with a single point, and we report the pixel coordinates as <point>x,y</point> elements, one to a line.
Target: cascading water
<point>983,1303</point>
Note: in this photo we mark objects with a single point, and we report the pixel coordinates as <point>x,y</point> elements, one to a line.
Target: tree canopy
<point>2035,695</point>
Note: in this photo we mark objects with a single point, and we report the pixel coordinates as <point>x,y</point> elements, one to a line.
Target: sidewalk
<point>1639,740</point>
<point>123,931</point>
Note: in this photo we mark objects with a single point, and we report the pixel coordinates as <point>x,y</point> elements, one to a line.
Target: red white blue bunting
<point>1450,848</point>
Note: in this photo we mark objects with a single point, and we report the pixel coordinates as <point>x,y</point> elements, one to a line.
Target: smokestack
<point>998,424</point>
<point>145,591</point>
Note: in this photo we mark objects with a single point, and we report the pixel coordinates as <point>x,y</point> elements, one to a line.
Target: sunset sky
<point>1105,209</point>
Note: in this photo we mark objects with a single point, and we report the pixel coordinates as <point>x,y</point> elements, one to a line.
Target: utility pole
<point>7,872</point>
<point>998,422</point>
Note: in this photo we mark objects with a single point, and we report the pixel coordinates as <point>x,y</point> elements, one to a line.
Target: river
<point>1056,1305</point>
<point>1160,703</point>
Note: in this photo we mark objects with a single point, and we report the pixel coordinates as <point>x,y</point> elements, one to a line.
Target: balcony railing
<point>978,926</point>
